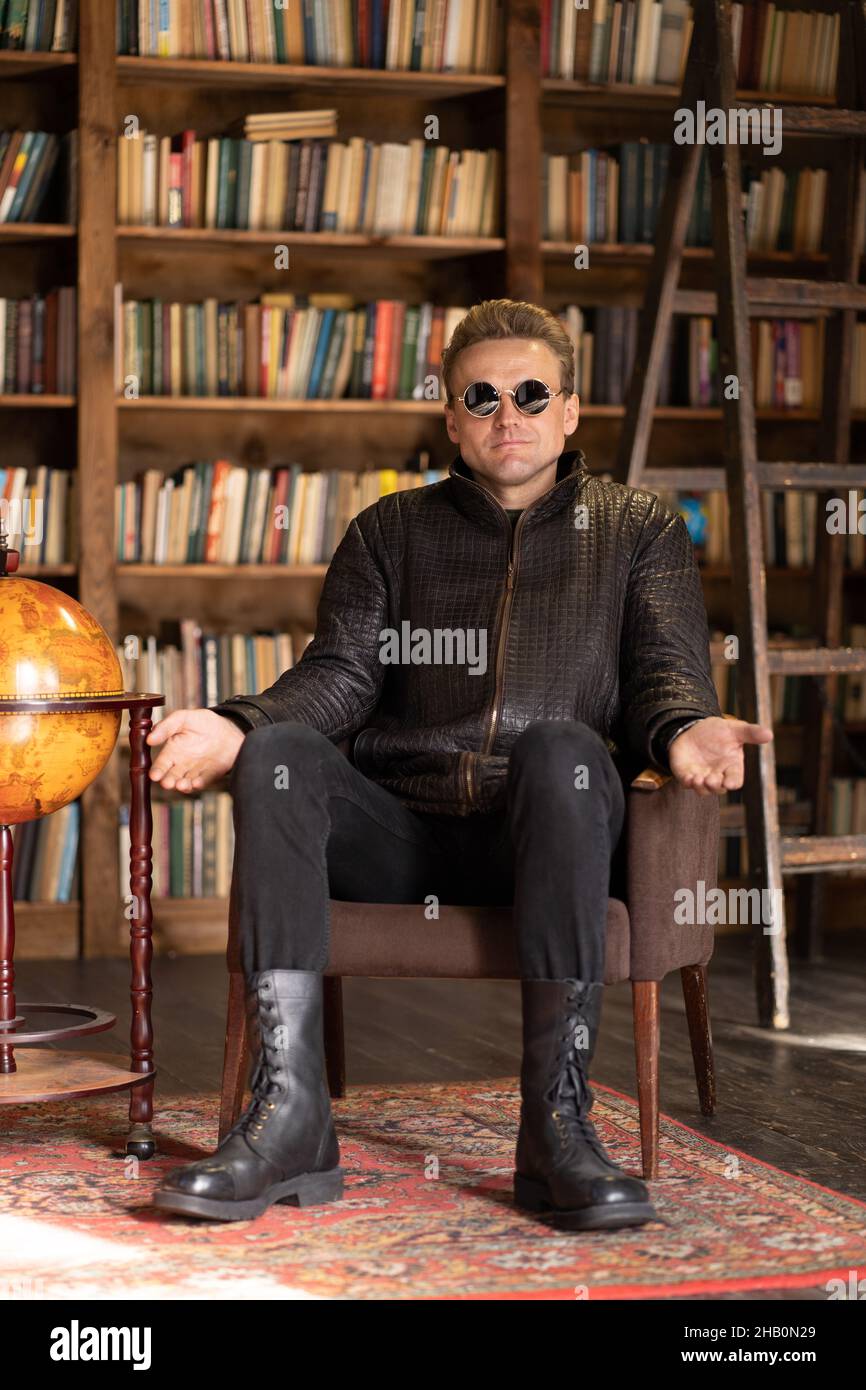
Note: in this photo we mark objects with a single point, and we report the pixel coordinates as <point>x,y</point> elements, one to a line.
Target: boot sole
<point>531,1195</point>
<point>305,1190</point>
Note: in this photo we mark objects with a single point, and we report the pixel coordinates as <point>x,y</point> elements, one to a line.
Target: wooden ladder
<point>710,75</point>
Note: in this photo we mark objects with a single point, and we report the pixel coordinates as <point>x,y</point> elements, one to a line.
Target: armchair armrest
<point>672,851</point>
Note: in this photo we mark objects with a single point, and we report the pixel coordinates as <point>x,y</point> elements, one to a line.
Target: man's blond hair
<point>510,318</point>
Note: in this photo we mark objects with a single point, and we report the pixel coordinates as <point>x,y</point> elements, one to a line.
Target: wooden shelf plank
<point>617,96</point>
<point>18,63</point>
<point>128,571</point>
<point>198,238</point>
<point>209,72</point>
<point>345,406</point>
<point>35,231</point>
<point>36,401</point>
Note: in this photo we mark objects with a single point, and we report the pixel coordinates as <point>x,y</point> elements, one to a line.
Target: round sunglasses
<point>531,397</point>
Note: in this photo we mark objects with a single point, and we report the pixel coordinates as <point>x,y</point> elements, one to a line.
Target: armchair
<point>670,841</point>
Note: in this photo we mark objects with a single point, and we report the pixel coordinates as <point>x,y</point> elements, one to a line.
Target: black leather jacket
<point>592,610</point>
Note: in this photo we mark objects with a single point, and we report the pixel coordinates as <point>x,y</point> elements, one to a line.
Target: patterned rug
<point>428,1211</point>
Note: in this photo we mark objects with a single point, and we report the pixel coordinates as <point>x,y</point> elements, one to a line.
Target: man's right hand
<point>200,747</point>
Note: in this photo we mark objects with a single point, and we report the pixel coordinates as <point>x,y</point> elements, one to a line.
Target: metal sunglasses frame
<point>551,396</point>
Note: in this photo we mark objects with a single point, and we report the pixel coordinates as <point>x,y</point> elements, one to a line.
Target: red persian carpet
<point>428,1211</point>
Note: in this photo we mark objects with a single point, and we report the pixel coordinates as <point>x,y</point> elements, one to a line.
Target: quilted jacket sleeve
<point>664,653</point>
<point>338,681</point>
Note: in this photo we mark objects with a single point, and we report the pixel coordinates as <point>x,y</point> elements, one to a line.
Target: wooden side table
<point>50,1075</point>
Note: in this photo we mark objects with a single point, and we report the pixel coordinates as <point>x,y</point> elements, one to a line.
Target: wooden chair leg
<point>645,1008</point>
<point>335,1042</point>
<point>694,978</point>
<point>236,1055</point>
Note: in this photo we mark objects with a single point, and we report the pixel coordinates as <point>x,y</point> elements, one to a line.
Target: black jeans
<point>309,827</point>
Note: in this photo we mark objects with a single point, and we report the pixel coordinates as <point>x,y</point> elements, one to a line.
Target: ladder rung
<point>802,477</point>
<point>799,298</point>
<point>815,661</point>
<point>683,479</point>
<point>819,120</point>
<point>824,294</point>
<point>803,854</point>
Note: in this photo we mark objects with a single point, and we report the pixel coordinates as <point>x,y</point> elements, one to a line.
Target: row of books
<point>646,42</point>
<point>413,188</point>
<point>37,343</point>
<point>193,846</point>
<point>416,35</point>
<point>27,161</point>
<point>217,512</point>
<point>45,857</point>
<point>787,359</point>
<point>196,669</point>
<point>283,348</point>
<point>40,513</point>
<point>614,195</point>
<point>39,25</point>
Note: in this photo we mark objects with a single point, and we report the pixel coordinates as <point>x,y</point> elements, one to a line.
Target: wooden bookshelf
<point>517,112</point>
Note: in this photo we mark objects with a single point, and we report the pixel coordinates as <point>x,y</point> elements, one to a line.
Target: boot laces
<point>263,1085</point>
<point>571,1092</point>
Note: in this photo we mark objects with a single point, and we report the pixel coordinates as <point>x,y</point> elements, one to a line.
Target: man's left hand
<point>709,756</point>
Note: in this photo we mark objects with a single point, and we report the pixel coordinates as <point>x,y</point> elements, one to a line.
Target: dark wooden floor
<point>795,1099</point>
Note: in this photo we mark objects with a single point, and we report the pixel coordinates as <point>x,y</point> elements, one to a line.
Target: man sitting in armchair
<point>505,647</point>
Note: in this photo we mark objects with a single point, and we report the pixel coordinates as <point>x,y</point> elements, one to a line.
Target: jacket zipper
<point>505,611</point>
<point>503,618</point>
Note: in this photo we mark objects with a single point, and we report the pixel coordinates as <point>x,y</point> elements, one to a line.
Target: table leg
<point>140,1140</point>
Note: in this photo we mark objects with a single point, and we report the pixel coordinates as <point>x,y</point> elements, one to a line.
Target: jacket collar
<point>476,502</point>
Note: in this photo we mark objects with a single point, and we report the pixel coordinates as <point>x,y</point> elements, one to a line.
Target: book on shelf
<point>37,344</point>
<point>39,511</point>
<point>282,347</point>
<point>307,185</point>
<point>646,43</point>
<point>38,26</point>
<point>460,36</point>
<point>222,513</point>
<point>29,177</point>
<point>45,857</point>
<point>193,847</point>
<point>197,669</point>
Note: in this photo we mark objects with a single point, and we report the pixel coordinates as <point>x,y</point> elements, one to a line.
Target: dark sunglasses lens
<point>532,397</point>
<point>480,398</point>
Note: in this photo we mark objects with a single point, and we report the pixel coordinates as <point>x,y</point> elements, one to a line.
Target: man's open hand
<point>709,756</point>
<point>200,747</point>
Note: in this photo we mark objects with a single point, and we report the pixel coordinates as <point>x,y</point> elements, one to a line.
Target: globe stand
<point>52,1075</point>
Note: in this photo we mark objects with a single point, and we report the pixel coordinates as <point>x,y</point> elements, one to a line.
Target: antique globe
<point>51,649</point>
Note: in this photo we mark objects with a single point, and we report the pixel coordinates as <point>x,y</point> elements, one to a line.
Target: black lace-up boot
<point>561,1165</point>
<point>284,1147</point>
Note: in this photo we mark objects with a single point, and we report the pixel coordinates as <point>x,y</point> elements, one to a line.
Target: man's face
<point>508,452</point>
